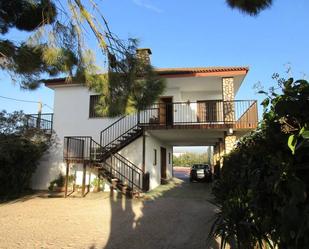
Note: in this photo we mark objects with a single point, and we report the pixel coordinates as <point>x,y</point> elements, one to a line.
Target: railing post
<point>52,122</point>
<point>132,179</point>
<point>138,117</point>
<point>90,149</point>
<point>84,179</point>
<point>101,138</point>
<point>66,180</point>
<point>27,125</point>
<point>111,168</point>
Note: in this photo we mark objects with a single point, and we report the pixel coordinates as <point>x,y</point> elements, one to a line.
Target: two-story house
<point>197,108</point>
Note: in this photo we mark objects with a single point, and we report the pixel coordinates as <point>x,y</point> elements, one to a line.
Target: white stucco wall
<point>71,113</point>
<point>51,164</point>
<point>71,118</point>
<point>77,170</point>
<point>200,95</point>
<point>134,152</point>
<point>155,169</point>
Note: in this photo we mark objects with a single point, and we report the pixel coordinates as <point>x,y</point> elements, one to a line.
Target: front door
<point>207,111</point>
<point>163,163</point>
<point>166,110</point>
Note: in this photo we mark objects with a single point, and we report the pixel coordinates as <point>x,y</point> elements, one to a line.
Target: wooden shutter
<point>94,100</point>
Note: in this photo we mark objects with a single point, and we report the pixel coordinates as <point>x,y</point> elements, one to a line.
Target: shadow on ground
<point>176,215</point>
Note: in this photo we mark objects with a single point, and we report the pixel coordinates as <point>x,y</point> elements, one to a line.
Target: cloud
<point>147,5</point>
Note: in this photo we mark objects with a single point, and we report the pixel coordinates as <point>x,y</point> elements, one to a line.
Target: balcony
<point>237,114</point>
<point>43,122</point>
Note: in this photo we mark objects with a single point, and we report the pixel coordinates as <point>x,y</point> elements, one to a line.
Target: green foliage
<point>130,85</point>
<point>20,151</point>
<point>263,191</point>
<point>95,184</point>
<point>58,182</point>
<point>26,15</point>
<point>24,61</point>
<point>188,159</point>
<point>17,62</point>
<point>57,47</point>
<point>251,7</point>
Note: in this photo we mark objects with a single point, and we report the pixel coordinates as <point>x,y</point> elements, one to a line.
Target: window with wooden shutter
<point>94,100</point>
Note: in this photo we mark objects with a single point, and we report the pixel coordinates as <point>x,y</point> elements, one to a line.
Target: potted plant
<point>97,184</point>
<point>57,185</point>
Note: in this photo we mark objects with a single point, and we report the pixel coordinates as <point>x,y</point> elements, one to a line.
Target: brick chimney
<point>144,54</point>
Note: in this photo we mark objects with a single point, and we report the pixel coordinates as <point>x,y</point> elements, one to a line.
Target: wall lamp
<point>230,131</point>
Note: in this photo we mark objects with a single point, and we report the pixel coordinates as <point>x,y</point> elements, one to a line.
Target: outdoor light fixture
<point>230,131</point>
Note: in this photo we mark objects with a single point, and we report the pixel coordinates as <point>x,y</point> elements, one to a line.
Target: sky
<point>191,149</point>
<point>184,33</point>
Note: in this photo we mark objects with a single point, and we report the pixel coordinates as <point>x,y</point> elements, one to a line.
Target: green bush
<point>264,185</point>
<point>20,151</point>
<point>188,159</point>
<point>58,182</point>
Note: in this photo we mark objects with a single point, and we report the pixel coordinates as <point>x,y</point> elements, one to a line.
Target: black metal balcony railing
<point>43,122</point>
<point>239,113</point>
<point>81,148</point>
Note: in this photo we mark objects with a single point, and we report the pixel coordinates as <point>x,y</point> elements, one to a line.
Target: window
<point>94,100</point>
<point>155,157</point>
<point>169,158</point>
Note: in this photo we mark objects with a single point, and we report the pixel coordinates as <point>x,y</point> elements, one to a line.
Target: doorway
<point>207,111</point>
<point>163,163</point>
<point>166,111</point>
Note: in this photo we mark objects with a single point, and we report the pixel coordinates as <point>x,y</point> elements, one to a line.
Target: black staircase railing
<point>116,130</point>
<point>122,169</point>
<point>85,149</point>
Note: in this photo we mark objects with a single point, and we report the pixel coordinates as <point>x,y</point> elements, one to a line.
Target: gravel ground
<point>177,215</point>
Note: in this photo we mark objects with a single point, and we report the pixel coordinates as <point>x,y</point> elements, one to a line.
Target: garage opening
<point>186,157</point>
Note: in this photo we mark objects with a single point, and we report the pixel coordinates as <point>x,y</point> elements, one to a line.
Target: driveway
<point>182,173</point>
<point>176,215</point>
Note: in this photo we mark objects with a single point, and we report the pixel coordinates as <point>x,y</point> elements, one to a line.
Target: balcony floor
<point>193,136</point>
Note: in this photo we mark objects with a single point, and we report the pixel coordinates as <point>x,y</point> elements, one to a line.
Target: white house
<point>197,108</point>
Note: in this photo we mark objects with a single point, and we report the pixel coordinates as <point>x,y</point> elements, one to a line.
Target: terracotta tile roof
<point>175,71</point>
<point>163,71</point>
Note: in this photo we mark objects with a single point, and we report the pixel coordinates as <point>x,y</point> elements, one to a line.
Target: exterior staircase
<point>121,173</point>
<point>119,134</point>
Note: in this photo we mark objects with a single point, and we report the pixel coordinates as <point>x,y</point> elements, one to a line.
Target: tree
<point>188,159</point>
<point>57,46</point>
<point>251,7</point>
<point>24,16</point>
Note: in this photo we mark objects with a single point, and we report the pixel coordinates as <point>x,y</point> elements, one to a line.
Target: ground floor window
<point>154,157</point>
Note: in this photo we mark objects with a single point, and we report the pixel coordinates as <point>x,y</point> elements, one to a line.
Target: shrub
<point>264,185</point>
<point>58,182</point>
<point>20,151</point>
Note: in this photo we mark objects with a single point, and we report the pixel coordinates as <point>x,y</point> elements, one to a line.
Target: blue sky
<point>201,33</point>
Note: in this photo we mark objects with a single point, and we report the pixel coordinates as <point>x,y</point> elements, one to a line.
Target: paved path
<point>174,216</point>
<point>182,173</point>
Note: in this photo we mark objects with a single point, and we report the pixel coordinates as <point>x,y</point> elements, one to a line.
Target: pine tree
<point>56,46</point>
<point>251,7</point>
